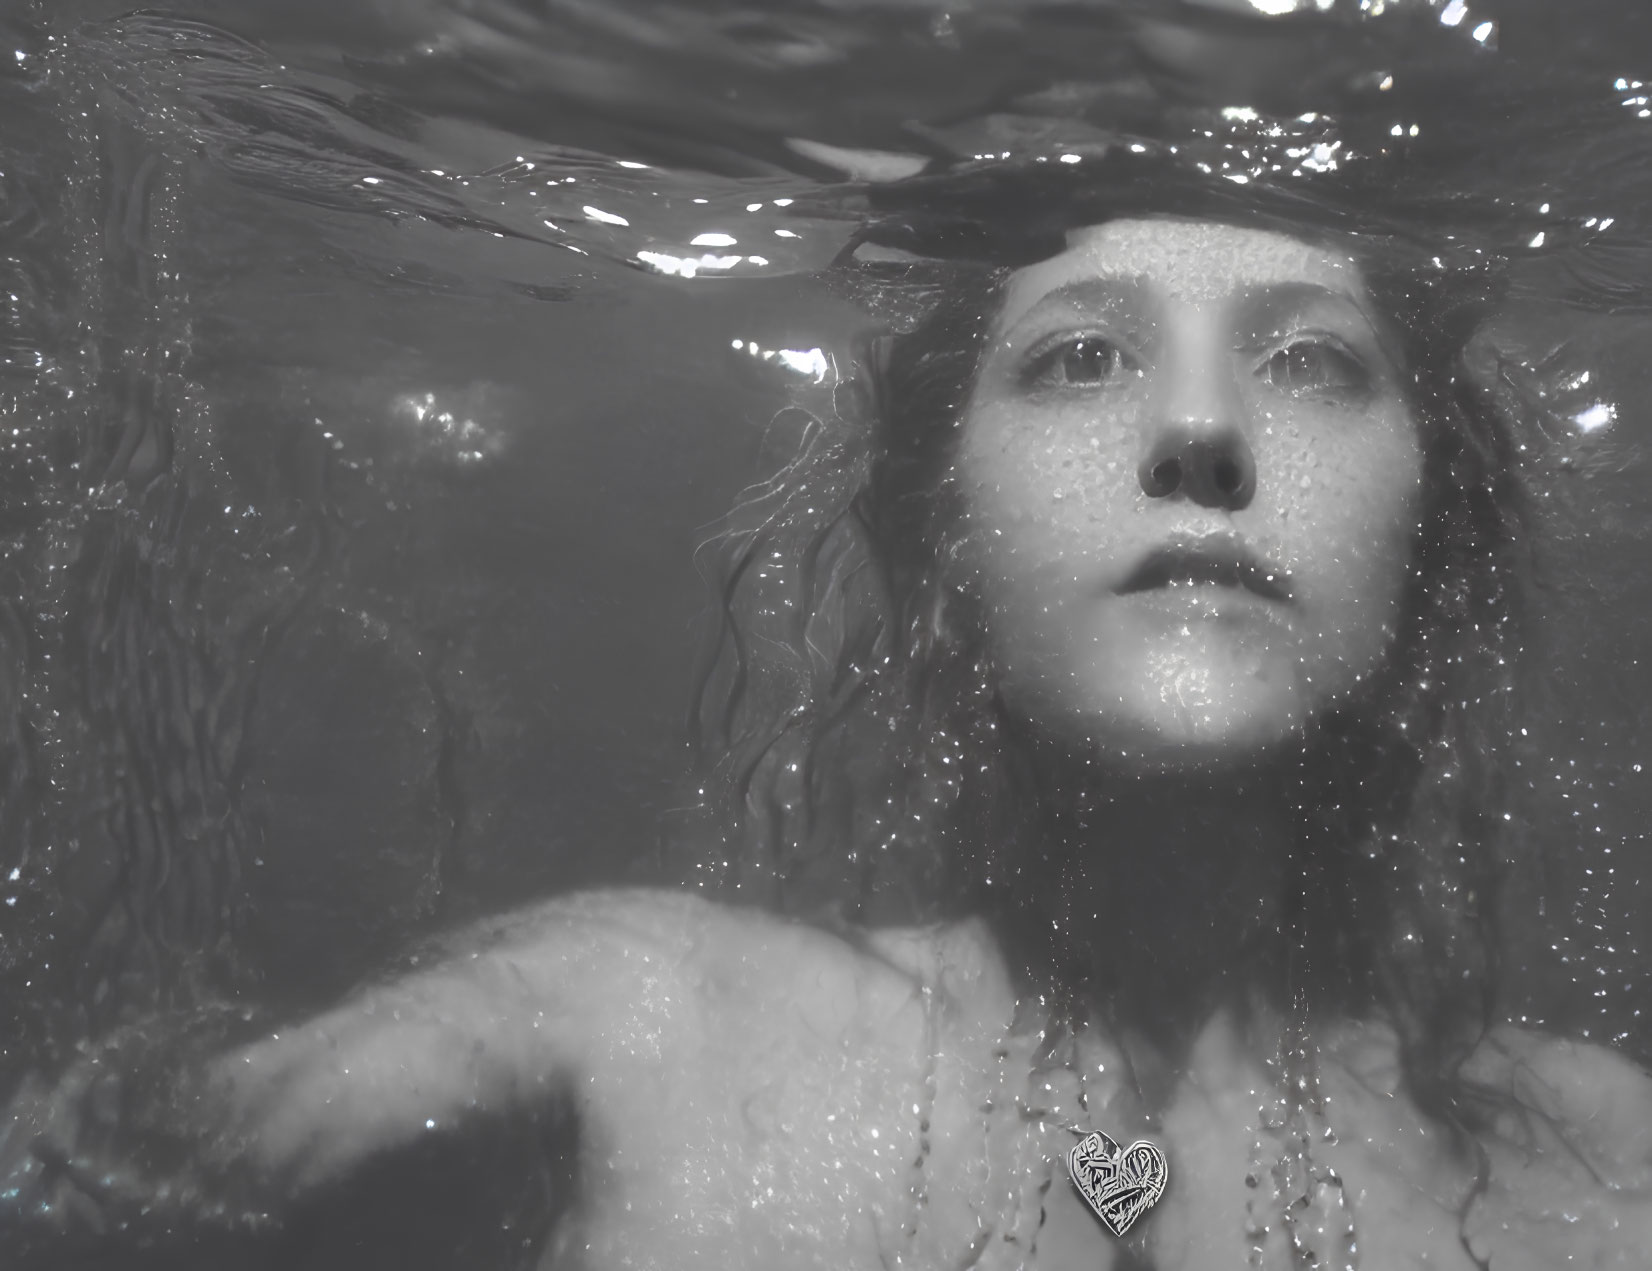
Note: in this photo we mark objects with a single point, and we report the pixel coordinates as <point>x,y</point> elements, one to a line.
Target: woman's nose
<point>1213,467</point>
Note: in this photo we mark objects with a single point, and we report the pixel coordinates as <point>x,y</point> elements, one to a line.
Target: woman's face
<point>1191,482</point>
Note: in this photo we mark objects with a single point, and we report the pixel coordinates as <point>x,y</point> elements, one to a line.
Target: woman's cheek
<point>1350,525</point>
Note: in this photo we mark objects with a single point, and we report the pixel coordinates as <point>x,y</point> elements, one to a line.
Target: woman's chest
<point>817,1108</point>
<point>1352,1177</point>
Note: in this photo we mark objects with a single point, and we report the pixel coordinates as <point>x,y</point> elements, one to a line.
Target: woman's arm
<point>513,1015</point>
<point>744,1089</point>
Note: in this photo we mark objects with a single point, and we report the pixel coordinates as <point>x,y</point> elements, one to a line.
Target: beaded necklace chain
<point>924,1107</point>
<point>1304,1199</point>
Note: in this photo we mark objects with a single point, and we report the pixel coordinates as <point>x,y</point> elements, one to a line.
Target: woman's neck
<point>1170,890</point>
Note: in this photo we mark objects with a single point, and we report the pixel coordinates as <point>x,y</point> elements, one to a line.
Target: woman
<point>1107,679</point>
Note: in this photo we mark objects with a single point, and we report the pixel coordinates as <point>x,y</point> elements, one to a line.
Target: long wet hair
<point>863,768</point>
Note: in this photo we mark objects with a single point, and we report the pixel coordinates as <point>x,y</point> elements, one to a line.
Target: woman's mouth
<point>1219,562</point>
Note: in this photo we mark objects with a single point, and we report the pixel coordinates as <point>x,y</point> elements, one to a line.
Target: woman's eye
<point>1311,367</point>
<point>1086,362</point>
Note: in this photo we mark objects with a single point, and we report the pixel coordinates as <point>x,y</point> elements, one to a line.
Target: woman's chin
<point>1225,724</point>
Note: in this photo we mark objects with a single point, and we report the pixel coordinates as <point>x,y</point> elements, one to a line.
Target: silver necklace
<point>918,1187</point>
<point>1119,1184</point>
<point>1304,1200</point>
<point>1290,1191</point>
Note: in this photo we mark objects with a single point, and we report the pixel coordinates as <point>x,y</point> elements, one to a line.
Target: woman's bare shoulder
<point>959,956</point>
<point>1566,1144</point>
<point>1594,1099</point>
<point>1569,1154</point>
<point>715,962</point>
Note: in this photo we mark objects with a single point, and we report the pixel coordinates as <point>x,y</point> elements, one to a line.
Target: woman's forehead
<point>1201,262</point>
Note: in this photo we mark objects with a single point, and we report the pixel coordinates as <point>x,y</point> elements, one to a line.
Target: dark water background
<point>353,464</point>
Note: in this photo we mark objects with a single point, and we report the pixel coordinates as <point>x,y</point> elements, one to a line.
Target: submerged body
<point>757,1093</point>
<point>1193,531</point>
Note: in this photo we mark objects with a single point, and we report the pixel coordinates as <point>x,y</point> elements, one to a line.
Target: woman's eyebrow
<point>1271,306</point>
<point>1275,302</point>
<point>1112,293</point>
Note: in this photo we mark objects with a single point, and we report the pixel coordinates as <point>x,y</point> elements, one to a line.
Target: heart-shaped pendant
<point>1120,1184</point>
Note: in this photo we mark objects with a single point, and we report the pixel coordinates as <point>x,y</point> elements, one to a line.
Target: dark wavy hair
<point>862,768</point>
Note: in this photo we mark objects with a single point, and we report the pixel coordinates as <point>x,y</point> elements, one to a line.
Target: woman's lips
<point>1220,562</point>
